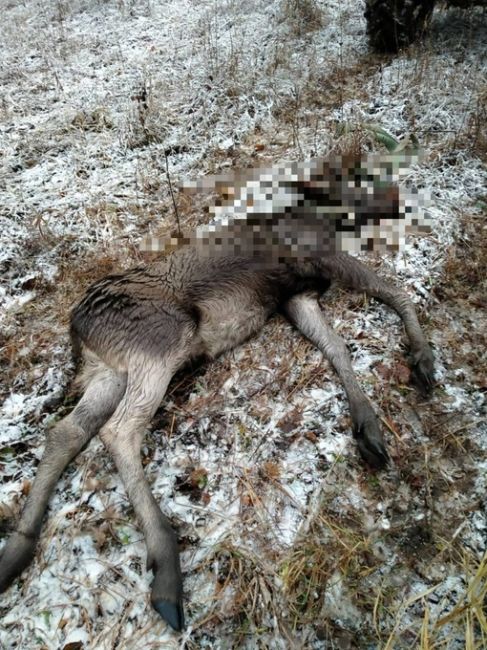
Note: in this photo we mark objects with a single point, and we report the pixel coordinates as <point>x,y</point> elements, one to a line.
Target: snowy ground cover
<point>287,540</point>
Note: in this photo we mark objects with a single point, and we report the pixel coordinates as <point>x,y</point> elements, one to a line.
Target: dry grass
<point>335,553</point>
<point>374,560</point>
<point>467,617</point>
<point>302,16</point>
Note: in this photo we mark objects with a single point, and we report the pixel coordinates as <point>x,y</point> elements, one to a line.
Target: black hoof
<point>17,554</point>
<point>172,613</point>
<point>371,445</point>
<point>423,371</point>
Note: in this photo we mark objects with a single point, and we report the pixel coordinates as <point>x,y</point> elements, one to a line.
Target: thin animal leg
<point>352,273</point>
<point>147,383</point>
<point>304,312</point>
<point>64,441</point>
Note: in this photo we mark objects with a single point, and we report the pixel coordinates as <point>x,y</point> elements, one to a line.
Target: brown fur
<point>136,329</point>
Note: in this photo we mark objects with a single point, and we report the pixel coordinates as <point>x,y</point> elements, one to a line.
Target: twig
<point>172,194</point>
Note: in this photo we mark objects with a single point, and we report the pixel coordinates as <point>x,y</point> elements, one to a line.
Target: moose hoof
<point>423,371</point>
<point>371,443</point>
<point>15,557</point>
<point>172,613</point>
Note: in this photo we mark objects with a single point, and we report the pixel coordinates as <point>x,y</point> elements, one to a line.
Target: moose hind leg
<point>352,273</point>
<point>148,379</point>
<point>64,441</point>
<point>304,312</point>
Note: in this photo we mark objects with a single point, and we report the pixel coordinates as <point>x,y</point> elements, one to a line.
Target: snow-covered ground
<point>286,539</point>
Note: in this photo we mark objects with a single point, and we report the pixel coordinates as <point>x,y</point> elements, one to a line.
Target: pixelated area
<point>301,210</point>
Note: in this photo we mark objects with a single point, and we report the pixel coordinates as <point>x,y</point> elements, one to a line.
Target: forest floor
<point>287,539</point>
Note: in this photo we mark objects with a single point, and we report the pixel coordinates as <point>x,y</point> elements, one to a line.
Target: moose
<point>134,330</point>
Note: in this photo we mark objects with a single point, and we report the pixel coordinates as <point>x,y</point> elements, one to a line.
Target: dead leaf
<point>402,374</point>
<point>311,436</point>
<point>290,421</point>
<point>383,371</point>
<point>26,485</point>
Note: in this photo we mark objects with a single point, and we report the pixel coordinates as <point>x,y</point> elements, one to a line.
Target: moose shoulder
<point>136,329</point>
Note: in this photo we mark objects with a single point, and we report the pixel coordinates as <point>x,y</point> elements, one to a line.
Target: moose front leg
<point>355,275</point>
<point>304,312</point>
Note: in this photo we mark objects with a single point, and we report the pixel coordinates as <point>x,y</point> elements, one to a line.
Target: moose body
<point>136,329</point>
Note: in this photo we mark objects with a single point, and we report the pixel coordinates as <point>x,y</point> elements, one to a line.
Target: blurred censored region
<point>301,210</point>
